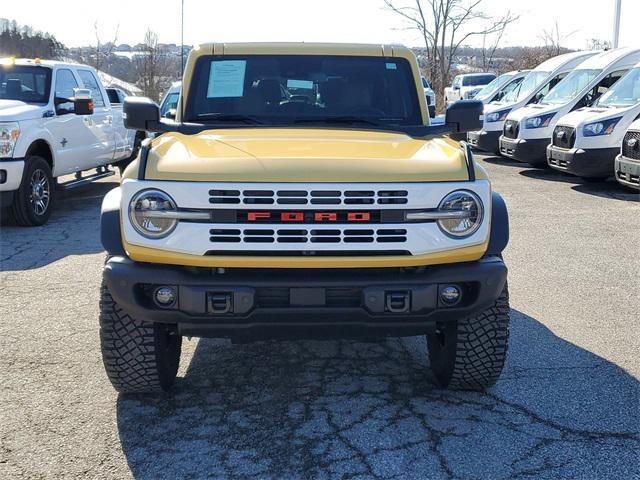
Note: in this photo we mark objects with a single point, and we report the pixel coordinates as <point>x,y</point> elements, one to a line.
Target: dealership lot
<point>565,407</point>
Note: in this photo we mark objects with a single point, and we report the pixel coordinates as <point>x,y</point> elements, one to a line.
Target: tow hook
<point>220,303</point>
<point>398,302</point>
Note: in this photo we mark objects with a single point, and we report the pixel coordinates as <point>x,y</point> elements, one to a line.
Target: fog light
<point>450,295</point>
<point>165,296</point>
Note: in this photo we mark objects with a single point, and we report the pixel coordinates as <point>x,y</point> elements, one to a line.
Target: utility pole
<point>616,23</point>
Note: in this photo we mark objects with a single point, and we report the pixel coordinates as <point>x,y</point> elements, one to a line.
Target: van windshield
<point>25,83</point>
<point>294,89</point>
<point>570,86</point>
<point>477,80</point>
<point>624,93</point>
<point>530,83</point>
<point>489,89</point>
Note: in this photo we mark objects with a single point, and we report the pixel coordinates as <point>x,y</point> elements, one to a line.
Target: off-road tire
<point>23,211</point>
<point>469,354</point>
<point>139,357</point>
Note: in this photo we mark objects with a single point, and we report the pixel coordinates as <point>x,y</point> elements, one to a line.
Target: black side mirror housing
<point>465,116</point>
<point>82,101</point>
<point>141,113</point>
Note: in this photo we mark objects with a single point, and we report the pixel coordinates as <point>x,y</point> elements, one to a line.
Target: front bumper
<point>592,163</point>
<point>299,302</point>
<point>484,140</point>
<point>11,174</point>
<point>533,151</point>
<point>627,171</point>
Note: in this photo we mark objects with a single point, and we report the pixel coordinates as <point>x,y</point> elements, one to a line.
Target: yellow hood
<point>304,155</point>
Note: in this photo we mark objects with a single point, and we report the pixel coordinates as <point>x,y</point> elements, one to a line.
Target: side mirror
<point>170,114</point>
<point>465,116</point>
<point>456,87</point>
<point>141,113</point>
<point>82,101</point>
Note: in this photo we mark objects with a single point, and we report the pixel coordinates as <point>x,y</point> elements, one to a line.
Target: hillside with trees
<point>23,41</point>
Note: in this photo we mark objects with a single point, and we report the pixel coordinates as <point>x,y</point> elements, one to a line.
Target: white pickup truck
<point>466,86</point>
<point>55,119</point>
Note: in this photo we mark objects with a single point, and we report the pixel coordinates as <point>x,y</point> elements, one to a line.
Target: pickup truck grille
<point>305,236</point>
<point>631,145</point>
<point>564,137</point>
<point>306,197</point>
<point>511,129</point>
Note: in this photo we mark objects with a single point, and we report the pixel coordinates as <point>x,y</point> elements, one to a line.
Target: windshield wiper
<point>223,117</point>
<point>345,119</point>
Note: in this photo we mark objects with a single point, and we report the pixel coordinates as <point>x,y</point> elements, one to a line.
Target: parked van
<point>497,88</point>
<point>466,86</point>
<point>528,131</point>
<point>587,141</point>
<point>533,88</point>
<point>627,164</point>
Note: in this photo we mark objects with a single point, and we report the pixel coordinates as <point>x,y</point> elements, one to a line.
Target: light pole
<point>182,40</point>
<point>616,23</point>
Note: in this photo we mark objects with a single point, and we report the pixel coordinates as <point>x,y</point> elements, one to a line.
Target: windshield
<point>529,85</point>
<point>492,87</point>
<point>294,89</point>
<point>476,80</point>
<point>170,102</point>
<point>25,83</point>
<point>570,87</point>
<point>625,92</point>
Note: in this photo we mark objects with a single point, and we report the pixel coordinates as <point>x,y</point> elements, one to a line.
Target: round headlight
<point>469,209</point>
<point>152,213</point>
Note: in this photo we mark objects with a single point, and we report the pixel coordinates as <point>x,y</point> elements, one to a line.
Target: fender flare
<point>499,236</point>
<point>110,230</point>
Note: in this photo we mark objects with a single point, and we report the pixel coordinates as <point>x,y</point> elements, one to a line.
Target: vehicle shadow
<point>494,159</point>
<point>346,409</point>
<point>606,189</point>
<point>24,248</point>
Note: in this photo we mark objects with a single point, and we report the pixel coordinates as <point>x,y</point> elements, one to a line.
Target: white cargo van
<point>585,142</point>
<point>534,87</point>
<point>528,131</point>
<point>501,86</point>
<point>627,164</point>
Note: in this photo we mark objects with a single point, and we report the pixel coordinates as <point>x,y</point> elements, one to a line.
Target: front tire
<point>33,201</point>
<point>469,354</point>
<point>139,357</point>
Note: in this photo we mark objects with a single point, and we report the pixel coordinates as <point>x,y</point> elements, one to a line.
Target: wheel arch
<point>499,236</point>
<point>42,148</point>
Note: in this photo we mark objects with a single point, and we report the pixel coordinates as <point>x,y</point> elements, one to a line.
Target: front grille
<point>305,236</point>
<point>511,129</point>
<point>631,145</point>
<point>564,137</point>
<point>628,178</point>
<point>306,197</point>
<point>335,297</point>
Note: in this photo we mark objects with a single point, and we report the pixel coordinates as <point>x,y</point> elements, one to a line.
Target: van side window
<point>544,90</point>
<point>596,92</point>
<point>65,83</point>
<point>90,82</point>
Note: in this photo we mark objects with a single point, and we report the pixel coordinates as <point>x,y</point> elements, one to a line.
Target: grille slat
<point>304,197</point>
<point>351,235</point>
<point>631,145</point>
<point>564,137</point>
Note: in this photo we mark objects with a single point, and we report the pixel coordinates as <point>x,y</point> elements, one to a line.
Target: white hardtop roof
<point>612,57</point>
<point>557,62</point>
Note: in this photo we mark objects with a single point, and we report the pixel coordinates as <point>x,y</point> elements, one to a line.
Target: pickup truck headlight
<point>600,128</point>
<point>539,122</point>
<point>462,211</point>
<point>9,133</point>
<point>153,213</point>
<point>497,116</point>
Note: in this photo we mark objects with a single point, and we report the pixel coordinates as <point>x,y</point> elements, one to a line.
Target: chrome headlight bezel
<point>164,213</point>
<point>9,134</point>
<point>476,218</point>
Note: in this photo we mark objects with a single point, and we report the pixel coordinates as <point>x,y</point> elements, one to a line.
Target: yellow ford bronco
<point>301,192</point>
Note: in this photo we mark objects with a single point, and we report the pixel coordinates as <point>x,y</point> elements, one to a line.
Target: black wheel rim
<point>40,192</point>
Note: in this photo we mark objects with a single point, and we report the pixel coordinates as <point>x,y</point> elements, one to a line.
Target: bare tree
<point>598,44</point>
<point>444,26</point>
<point>151,66</point>
<point>98,54</point>
<point>490,43</point>
<point>553,40</point>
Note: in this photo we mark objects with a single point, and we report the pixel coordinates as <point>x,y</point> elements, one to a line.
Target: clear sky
<point>71,21</point>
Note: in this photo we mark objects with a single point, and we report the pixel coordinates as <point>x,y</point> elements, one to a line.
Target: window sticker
<point>392,66</point>
<point>307,84</point>
<point>226,78</point>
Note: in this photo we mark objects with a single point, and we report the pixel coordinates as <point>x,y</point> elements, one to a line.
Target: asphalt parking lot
<point>566,407</point>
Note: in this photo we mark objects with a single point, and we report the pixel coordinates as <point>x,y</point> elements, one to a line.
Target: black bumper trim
<point>533,152</point>
<point>591,163</point>
<point>126,280</point>
<point>485,141</point>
